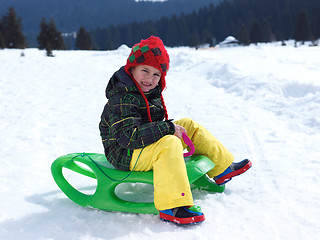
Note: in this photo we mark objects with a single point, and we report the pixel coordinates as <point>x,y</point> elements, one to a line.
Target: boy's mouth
<point>146,84</point>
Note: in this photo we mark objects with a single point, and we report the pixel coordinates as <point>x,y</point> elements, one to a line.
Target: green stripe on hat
<point>136,48</point>
<point>132,58</point>
<point>145,49</point>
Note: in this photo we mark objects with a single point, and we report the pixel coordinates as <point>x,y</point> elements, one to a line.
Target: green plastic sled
<point>108,178</point>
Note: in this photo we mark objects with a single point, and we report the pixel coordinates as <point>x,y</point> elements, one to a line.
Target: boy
<point>138,136</point>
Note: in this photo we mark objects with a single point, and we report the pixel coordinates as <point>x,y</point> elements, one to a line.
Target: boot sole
<point>182,221</point>
<point>228,176</point>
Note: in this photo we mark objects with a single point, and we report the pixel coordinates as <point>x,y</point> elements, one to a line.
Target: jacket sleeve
<point>127,127</point>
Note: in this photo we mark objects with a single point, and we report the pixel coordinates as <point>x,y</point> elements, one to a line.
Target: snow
<point>229,41</point>
<point>262,102</point>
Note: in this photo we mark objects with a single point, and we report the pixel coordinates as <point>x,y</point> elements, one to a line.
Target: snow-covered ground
<point>262,102</point>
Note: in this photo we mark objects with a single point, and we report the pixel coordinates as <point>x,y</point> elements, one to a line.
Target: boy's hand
<point>179,130</point>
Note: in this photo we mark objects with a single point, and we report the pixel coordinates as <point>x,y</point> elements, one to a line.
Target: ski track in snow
<point>262,102</point>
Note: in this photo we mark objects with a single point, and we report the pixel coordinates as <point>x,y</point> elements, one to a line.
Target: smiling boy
<point>137,135</point>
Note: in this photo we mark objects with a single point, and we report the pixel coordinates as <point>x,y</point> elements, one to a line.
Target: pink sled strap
<point>189,143</point>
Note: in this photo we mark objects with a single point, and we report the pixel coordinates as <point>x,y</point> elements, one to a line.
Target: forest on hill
<point>69,15</point>
<point>248,20</point>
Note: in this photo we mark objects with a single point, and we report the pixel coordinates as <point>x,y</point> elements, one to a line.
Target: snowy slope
<point>262,102</point>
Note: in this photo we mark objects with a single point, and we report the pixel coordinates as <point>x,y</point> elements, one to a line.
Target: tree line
<point>49,38</point>
<point>250,21</point>
<point>247,20</point>
<point>69,15</point>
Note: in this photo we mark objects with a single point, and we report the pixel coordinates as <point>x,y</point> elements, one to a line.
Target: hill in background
<point>69,15</point>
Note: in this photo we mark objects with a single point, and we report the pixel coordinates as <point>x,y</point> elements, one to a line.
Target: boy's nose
<point>149,79</point>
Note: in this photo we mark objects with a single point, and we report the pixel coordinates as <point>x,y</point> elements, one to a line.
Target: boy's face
<point>146,76</point>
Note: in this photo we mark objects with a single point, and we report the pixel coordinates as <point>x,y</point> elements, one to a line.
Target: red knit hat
<point>150,52</point>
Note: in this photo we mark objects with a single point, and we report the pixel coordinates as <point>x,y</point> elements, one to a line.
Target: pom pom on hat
<point>150,52</point>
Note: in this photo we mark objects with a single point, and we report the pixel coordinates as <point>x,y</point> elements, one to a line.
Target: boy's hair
<point>150,52</point>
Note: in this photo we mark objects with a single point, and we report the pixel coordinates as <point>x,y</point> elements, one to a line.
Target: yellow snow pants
<point>165,158</point>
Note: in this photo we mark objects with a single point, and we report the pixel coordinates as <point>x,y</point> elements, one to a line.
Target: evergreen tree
<point>184,30</point>
<point>43,36</point>
<point>206,36</point>
<point>83,40</point>
<point>302,30</point>
<point>1,28</point>
<point>243,35</point>
<point>2,40</point>
<point>98,38</point>
<point>12,30</point>
<point>129,39</point>
<point>256,34</point>
<point>317,27</point>
<point>116,38</point>
<point>285,25</point>
<point>57,40</point>
<point>171,31</point>
<point>193,39</point>
<point>267,31</point>
<point>49,37</point>
<point>109,44</point>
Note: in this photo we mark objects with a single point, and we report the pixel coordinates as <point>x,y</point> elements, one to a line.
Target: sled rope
<point>97,165</point>
<point>184,136</point>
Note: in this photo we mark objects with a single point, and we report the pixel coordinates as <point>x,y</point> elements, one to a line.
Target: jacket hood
<point>122,82</point>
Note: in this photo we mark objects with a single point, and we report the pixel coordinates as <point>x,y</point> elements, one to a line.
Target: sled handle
<point>189,143</point>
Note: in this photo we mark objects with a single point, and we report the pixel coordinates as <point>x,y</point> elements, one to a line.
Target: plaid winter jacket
<point>124,124</point>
